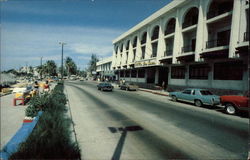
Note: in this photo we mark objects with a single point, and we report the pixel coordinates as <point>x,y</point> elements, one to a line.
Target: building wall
<point>204,33</point>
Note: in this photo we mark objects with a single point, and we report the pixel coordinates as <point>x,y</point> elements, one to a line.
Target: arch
<point>127,45</point>
<point>144,38</point>
<point>191,17</point>
<point>218,7</point>
<point>155,33</point>
<point>170,26</point>
<point>135,42</point>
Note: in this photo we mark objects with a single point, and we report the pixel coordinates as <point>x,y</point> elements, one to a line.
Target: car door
<point>186,95</point>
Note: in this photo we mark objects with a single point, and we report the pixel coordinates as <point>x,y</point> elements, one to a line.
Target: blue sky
<point>31,29</point>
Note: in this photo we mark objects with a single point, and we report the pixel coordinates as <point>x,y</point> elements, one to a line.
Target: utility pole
<point>62,43</point>
<point>41,67</point>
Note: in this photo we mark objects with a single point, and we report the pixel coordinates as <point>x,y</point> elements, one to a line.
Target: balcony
<point>214,13</point>
<point>189,48</point>
<point>217,43</point>
<point>246,36</point>
<point>168,53</point>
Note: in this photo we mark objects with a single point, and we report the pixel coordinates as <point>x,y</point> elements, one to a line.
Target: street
<point>139,125</point>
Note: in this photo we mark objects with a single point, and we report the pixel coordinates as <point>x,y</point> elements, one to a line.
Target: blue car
<point>196,96</point>
<point>105,87</point>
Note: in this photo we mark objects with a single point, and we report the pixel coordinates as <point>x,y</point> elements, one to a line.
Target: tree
<point>92,63</point>
<point>50,68</point>
<point>70,66</point>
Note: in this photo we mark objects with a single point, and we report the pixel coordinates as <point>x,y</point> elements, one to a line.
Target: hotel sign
<point>146,63</point>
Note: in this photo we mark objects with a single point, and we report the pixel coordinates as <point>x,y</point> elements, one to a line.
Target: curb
<point>20,136</point>
<point>153,92</point>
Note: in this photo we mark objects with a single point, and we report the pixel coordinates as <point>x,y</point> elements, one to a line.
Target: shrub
<point>51,138</point>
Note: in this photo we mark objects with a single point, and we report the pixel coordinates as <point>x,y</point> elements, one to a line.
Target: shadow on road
<point>119,146</point>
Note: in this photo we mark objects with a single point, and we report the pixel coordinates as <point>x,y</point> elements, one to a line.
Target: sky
<point>31,29</point>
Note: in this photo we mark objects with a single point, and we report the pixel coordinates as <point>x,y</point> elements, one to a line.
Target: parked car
<point>234,103</point>
<point>196,96</point>
<point>105,86</point>
<point>81,79</point>
<point>129,86</point>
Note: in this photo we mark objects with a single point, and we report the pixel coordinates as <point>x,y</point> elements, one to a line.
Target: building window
<point>191,18</point>
<point>141,73</point>
<point>144,38</point>
<point>127,73</point>
<point>154,49</point>
<point>133,73</point>
<point>199,71</point>
<point>135,42</point>
<point>155,34</point>
<point>134,54</point>
<point>121,48</point>
<point>143,49</point>
<point>170,27</point>
<point>229,70</point>
<point>178,72</point>
<point>121,73</point>
<point>127,46</point>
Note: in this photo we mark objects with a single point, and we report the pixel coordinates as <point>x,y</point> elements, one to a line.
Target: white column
<point>177,37</point>
<point>235,26</point>
<point>161,42</point>
<point>199,33</point>
<point>148,43</point>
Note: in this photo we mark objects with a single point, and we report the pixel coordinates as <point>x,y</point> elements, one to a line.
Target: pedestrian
<point>36,88</point>
<point>163,85</point>
<point>46,86</point>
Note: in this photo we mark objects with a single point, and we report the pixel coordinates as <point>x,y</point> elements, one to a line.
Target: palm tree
<point>70,66</point>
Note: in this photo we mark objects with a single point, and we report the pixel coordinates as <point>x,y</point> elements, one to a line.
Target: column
<point>148,43</point>
<point>199,33</point>
<point>177,37</point>
<point>161,42</point>
<point>235,26</point>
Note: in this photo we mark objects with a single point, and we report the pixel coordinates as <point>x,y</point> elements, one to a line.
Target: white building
<point>188,43</point>
<point>104,70</point>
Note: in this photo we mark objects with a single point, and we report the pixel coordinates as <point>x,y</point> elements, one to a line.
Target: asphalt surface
<point>139,125</point>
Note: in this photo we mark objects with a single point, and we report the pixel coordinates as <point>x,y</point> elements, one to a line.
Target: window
<point>121,73</point>
<point>144,38</point>
<point>135,42</point>
<point>121,48</point>
<point>141,73</point>
<point>127,73</point>
<point>127,46</point>
<point>143,52</point>
<point>155,34</point>
<point>154,49</point>
<point>206,92</point>
<point>133,73</point>
<point>178,72</point>
<point>199,71</point>
<point>187,92</point>
<point>229,70</point>
<point>134,53</point>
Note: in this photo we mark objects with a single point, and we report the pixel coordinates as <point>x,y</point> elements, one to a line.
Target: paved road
<point>138,125</point>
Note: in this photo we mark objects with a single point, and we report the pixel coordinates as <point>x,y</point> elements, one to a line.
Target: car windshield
<point>206,92</point>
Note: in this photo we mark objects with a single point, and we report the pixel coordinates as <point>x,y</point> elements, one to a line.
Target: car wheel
<point>198,103</point>
<point>230,108</point>
<point>174,98</point>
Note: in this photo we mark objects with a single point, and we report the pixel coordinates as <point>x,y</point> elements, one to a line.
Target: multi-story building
<point>104,70</point>
<point>188,43</point>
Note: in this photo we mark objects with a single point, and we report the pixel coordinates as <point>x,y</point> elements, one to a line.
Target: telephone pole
<point>62,43</point>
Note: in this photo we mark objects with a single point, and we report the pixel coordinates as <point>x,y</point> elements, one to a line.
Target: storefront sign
<point>145,63</point>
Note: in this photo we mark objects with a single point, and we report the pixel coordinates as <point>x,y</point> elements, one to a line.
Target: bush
<point>51,138</point>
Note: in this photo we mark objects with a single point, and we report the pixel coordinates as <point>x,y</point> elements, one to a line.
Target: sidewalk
<point>11,118</point>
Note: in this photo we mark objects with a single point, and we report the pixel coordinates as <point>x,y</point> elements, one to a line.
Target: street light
<point>62,43</point>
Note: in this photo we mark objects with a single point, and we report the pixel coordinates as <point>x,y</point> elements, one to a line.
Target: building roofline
<point>149,19</point>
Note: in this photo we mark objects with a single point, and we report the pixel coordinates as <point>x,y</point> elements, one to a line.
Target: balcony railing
<point>189,48</point>
<point>214,13</point>
<point>246,36</point>
<point>168,53</point>
<point>217,43</point>
<point>170,29</point>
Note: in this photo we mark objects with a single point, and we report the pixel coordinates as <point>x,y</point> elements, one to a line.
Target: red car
<point>235,103</point>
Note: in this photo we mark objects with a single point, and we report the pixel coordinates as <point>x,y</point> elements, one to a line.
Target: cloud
<point>28,42</point>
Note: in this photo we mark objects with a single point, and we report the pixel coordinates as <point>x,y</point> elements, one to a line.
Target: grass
<point>51,138</point>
